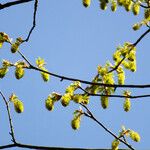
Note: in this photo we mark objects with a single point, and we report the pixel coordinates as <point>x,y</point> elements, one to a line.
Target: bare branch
<point>90,115</point>
<point>9,118</point>
<point>116,96</point>
<point>44,147</point>
<point>8,4</point>
<point>34,21</point>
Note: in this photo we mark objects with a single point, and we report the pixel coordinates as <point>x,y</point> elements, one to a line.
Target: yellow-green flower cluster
<point>19,72</point>
<point>41,64</point>
<point>103,4</point>
<point>16,44</point>
<point>18,104</point>
<point>51,99</point>
<point>4,68</point>
<point>86,3</point>
<point>115,144</point>
<point>3,38</point>
<point>128,53</point>
<point>75,123</point>
<point>104,101</point>
<point>66,98</point>
<point>127,102</point>
<point>81,98</point>
<point>121,75</point>
<point>134,136</point>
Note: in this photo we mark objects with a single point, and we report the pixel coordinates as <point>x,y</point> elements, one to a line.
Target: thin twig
<point>8,4</point>
<point>9,118</point>
<point>90,115</point>
<point>116,96</point>
<point>34,21</point>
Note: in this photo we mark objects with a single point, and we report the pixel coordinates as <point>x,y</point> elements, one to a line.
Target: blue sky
<point>73,41</point>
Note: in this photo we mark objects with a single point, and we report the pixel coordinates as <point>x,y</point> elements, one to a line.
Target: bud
<point>3,71</point>
<point>127,104</point>
<point>13,97</point>
<point>104,101</point>
<point>65,99</point>
<point>14,47</point>
<point>147,14</point>
<point>120,2</point>
<point>114,6</point>
<point>19,73</point>
<point>136,8</point>
<point>44,75</point>
<point>103,5</point>
<point>136,26</point>
<point>49,104</point>
<point>115,144</point>
<point>134,136</point>
<point>56,96</point>
<point>86,3</point>
<point>128,5</point>
<point>132,66</point>
<point>18,106</point>
<point>75,123</point>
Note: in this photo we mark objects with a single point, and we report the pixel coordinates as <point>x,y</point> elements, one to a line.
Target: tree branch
<point>8,4</point>
<point>45,148</point>
<point>116,96</point>
<point>90,115</point>
<point>34,21</point>
<point>9,118</point>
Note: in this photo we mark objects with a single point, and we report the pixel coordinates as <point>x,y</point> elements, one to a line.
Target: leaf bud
<point>44,75</point>
<point>134,136</point>
<point>136,8</point>
<point>114,6</point>
<point>115,144</point>
<point>104,101</point>
<point>65,99</point>
<point>127,104</point>
<point>49,103</point>
<point>18,106</point>
<point>86,3</point>
<point>3,71</point>
<point>75,123</point>
<point>19,72</point>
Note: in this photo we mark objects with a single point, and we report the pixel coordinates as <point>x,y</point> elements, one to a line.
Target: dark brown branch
<point>82,81</point>
<point>44,147</point>
<point>116,96</point>
<point>8,4</point>
<point>34,21</point>
<point>90,115</point>
<point>9,118</point>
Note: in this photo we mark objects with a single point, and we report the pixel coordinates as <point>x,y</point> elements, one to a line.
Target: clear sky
<point>73,40</point>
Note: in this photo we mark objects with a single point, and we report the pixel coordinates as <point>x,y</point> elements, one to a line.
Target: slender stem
<point>117,96</point>
<point>9,118</point>
<point>34,21</point>
<point>90,115</point>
